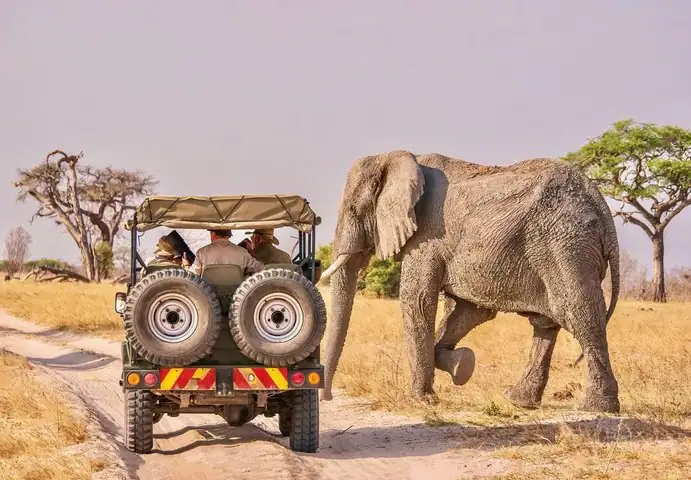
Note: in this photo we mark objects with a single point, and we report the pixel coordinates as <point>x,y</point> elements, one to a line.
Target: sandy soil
<point>356,443</point>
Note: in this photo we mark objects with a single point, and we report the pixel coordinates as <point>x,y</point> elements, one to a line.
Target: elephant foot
<point>426,398</point>
<point>459,363</point>
<point>596,402</point>
<point>464,365</point>
<point>522,397</point>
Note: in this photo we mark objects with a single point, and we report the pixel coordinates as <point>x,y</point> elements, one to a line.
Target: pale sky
<point>230,97</point>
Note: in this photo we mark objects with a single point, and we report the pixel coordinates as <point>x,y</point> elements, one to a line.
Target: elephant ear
<point>402,185</point>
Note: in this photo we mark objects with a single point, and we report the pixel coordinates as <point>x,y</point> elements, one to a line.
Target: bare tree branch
<point>629,217</point>
<point>40,275</point>
<point>16,249</point>
<point>676,211</point>
<point>642,210</point>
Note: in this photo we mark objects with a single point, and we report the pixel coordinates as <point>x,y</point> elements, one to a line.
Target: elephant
<point>534,238</point>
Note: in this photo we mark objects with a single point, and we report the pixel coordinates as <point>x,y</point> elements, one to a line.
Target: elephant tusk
<point>340,261</point>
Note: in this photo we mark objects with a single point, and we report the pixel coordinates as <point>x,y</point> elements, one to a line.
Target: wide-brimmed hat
<point>164,248</point>
<point>267,233</point>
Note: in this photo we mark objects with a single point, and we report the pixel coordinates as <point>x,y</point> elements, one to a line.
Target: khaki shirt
<point>224,252</point>
<point>161,262</point>
<point>267,253</point>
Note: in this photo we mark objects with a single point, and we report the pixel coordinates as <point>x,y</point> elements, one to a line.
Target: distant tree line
<point>30,265</point>
<point>645,167</point>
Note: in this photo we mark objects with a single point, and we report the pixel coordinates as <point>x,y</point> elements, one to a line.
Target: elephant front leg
<point>419,309</point>
<point>460,317</point>
<point>527,392</point>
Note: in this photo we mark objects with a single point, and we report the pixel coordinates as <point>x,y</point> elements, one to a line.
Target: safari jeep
<point>222,342</point>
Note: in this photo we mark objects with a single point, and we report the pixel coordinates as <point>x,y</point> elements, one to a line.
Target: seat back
<point>159,265</point>
<point>226,279</point>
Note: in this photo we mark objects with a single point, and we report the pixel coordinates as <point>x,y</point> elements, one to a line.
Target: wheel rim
<point>278,318</point>
<point>173,318</point>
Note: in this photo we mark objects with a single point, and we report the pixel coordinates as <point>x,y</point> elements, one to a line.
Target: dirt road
<point>355,443</point>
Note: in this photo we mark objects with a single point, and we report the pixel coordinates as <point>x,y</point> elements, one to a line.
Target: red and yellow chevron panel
<point>260,378</point>
<point>188,379</point>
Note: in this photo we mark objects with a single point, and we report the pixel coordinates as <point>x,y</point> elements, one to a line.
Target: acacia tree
<point>16,248</point>
<point>647,168</point>
<point>89,202</point>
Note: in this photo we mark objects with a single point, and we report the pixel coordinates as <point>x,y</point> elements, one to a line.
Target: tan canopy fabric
<point>225,212</point>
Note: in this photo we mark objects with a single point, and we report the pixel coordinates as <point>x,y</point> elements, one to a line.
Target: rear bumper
<point>223,380</point>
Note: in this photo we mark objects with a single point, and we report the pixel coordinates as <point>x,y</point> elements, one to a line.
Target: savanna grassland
<point>650,346</point>
<point>42,435</point>
<point>68,306</point>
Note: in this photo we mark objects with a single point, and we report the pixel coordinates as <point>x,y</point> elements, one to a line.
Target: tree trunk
<point>659,293</point>
<point>89,263</point>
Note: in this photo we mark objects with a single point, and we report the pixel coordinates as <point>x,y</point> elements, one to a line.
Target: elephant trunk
<point>343,285</point>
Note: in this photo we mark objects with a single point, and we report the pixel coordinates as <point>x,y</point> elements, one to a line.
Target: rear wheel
<point>139,421</point>
<point>173,317</point>
<point>304,425</point>
<point>278,317</point>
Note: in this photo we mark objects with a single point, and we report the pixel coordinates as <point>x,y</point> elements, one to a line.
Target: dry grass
<point>40,431</point>
<point>650,347</point>
<point>74,307</point>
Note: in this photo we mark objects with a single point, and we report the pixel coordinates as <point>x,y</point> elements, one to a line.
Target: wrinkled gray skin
<point>533,238</point>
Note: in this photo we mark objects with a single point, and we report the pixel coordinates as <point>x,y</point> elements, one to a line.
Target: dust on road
<point>355,443</point>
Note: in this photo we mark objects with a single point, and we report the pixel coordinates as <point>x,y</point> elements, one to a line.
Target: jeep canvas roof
<point>229,212</point>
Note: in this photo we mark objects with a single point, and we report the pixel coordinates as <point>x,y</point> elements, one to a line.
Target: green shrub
<point>41,262</point>
<point>104,259</point>
<point>380,278</point>
<point>383,278</point>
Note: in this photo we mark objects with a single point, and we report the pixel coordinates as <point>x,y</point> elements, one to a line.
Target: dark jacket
<point>267,253</point>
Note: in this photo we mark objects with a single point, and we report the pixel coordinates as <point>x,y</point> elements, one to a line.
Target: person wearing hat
<point>221,251</point>
<point>263,244</point>
<point>165,255</point>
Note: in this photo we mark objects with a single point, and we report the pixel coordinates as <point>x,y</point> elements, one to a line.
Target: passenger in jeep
<point>221,251</point>
<point>165,255</point>
<point>263,241</point>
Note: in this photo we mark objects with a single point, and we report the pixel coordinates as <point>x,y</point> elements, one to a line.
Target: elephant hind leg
<point>460,317</point>
<point>527,392</point>
<point>586,316</point>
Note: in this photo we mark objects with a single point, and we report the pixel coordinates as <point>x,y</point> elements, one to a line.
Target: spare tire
<point>173,317</point>
<point>278,317</point>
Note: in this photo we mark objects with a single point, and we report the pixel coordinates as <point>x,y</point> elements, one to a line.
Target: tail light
<point>150,379</point>
<point>133,378</point>
<point>298,378</point>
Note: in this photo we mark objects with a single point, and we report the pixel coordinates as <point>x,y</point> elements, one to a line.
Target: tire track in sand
<point>355,443</point>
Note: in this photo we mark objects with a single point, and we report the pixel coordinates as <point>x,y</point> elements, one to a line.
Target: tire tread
<point>139,421</point>
<point>215,317</point>
<point>238,335</point>
<point>304,429</point>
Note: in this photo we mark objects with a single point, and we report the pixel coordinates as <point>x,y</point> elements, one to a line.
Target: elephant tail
<point>612,255</point>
